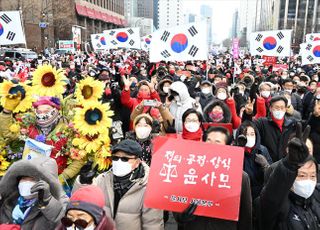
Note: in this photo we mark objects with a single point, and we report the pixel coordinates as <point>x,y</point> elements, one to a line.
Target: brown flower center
<point>48,79</point>
<point>92,137</point>
<point>87,91</point>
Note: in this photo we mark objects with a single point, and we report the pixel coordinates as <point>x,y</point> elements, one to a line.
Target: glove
<point>12,101</point>
<point>87,173</point>
<point>298,150</point>
<point>171,127</point>
<point>262,161</point>
<point>187,214</point>
<point>241,140</point>
<point>43,190</point>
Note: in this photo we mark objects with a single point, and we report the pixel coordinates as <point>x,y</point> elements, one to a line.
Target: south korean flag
<point>145,42</point>
<point>123,38</point>
<point>181,43</point>
<point>11,31</point>
<point>99,42</point>
<point>313,37</point>
<point>310,53</point>
<point>276,43</point>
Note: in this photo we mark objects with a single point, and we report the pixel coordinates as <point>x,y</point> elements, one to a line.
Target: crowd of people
<point>99,113</point>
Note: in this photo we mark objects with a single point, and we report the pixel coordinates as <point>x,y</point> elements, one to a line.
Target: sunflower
<point>48,81</point>
<point>91,143</point>
<point>102,157</point>
<point>93,118</point>
<point>4,164</point>
<point>8,87</point>
<point>89,90</point>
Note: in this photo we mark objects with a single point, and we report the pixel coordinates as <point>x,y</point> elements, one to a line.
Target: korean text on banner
<point>190,171</point>
<point>235,48</point>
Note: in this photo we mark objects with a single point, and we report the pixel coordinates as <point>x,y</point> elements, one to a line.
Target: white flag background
<point>310,53</point>
<point>312,37</point>
<point>11,31</point>
<point>123,38</point>
<point>275,43</point>
<point>181,43</point>
<point>145,42</point>
<point>98,42</point>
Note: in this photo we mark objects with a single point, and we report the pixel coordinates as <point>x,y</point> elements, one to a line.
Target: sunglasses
<point>123,159</point>
<point>79,223</point>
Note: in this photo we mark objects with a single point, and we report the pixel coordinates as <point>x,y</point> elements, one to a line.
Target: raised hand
<point>127,82</point>
<point>249,106</point>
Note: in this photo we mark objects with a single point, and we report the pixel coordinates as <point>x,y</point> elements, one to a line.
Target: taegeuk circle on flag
<point>179,43</point>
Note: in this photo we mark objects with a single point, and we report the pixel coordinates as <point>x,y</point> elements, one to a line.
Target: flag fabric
<point>145,42</point>
<point>312,37</point>
<point>123,38</point>
<point>99,42</point>
<point>276,43</point>
<point>181,43</point>
<point>310,53</point>
<point>11,31</point>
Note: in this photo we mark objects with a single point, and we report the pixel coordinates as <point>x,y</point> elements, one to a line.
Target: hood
<point>242,127</point>
<point>225,108</point>
<point>41,168</point>
<point>160,86</point>
<point>181,89</point>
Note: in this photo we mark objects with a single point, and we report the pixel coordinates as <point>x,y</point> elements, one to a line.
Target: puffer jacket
<point>131,213</point>
<point>42,168</point>
<point>177,109</point>
<point>253,169</point>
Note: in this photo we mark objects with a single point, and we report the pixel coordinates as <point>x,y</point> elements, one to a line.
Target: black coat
<point>280,209</point>
<point>314,123</point>
<point>205,99</point>
<point>272,138</point>
<point>307,102</point>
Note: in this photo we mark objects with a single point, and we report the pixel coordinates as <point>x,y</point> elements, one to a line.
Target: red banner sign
<point>191,171</point>
<point>280,67</point>
<point>269,60</point>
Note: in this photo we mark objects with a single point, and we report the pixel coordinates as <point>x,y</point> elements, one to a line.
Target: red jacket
<point>236,120</point>
<point>131,102</point>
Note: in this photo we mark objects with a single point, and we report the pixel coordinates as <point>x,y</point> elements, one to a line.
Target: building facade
<point>169,13</point>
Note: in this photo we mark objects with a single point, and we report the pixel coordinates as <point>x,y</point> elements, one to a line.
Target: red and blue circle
<point>316,51</point>
<point>316,39</point>
<point>1,29</point>
<point>269,43</point>
<point>103,41</point>
<point>147,40</point>
<point>179,43</point>
<point>122,37</point>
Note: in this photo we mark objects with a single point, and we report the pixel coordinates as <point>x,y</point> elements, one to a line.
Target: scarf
<point>279,123</point>
<point>196,136</point>
<point>22,209</point>
<point>47,122</point>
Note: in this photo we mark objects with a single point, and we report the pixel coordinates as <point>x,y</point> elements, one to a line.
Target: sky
<point>222,14</point>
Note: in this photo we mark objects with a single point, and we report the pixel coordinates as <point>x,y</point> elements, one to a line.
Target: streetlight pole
<point>306,19</point>
<point>296,20</point>
<point>314,19</point>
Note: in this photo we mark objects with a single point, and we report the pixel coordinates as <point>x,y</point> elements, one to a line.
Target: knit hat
<point>89,199</point>
<point>45,100</point>
<point>128,146</point>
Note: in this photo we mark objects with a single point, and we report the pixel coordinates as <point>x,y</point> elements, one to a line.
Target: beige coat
<point>131,213</point>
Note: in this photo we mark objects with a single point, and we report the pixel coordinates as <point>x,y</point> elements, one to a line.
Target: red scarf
<point>247,149</point>
<point>196,136</point>
<point>278,122</point>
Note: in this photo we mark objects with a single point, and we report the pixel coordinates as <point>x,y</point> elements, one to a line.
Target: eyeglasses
<point>79,223</point>
<point>123,159</point>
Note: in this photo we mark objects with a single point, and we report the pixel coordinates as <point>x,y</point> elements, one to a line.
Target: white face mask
<point>166,89</point>
<point>251,141</point>
<point>222,96</point>
<point>265,94</point>
<point>192,127</point>
<point>278,114</point>
<point>91,227</point>
<point>143,132</point>
<point>120,168</point>
<point>304,188</point>
<point>206,90</point>
<point>318,96</point>
<point>288,90</point>
<point>25,188</point>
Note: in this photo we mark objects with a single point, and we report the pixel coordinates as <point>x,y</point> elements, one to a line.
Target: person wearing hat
<point>206,95</point>
<point>85,211</point>
<point>124,189</point>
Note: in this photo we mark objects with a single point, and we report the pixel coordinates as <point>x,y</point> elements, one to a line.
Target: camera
<point>151,103</point>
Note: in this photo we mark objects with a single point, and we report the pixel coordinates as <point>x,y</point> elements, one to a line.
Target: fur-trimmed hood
<point>42,168</point>
<point>225,108</point>
<point>160,85</point>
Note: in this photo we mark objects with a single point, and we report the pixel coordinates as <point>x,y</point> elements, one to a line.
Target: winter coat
<point>205,99</point>
<point>207,223</point>
<point>186,102</point>
<point>278,208</point>
<point>131,213</point>
<point>308,104</point>
<point>273,138</point>
<point>254,170</point>
<point>297,102</point>
<point>314,123</point>
<point>42,168</point>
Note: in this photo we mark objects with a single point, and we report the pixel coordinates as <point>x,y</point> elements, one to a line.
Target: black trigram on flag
<point>258,38</point>
<point>165,54</point>
<point>11,35</point>
<point>130,31</point>
<point>308,47</point>
<point>311,37</point>
<point>280,35</point>
<point>165,36</point>
<point>280,49</point>
<point>193,51</point>
<point>259,49</point>
<point>114,42</point>
<point>112,33</point>
<point>192,31</point>
<point>98,45</point>
<point>97,37</point>
<point>131,42</point>
<point>5,18</point>
<point>310,58</point>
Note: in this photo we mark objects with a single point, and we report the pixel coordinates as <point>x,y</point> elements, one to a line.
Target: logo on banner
<point>122,36</point>
<point>179,43</point>
<point>269,43</point>
<point>316,51</point>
